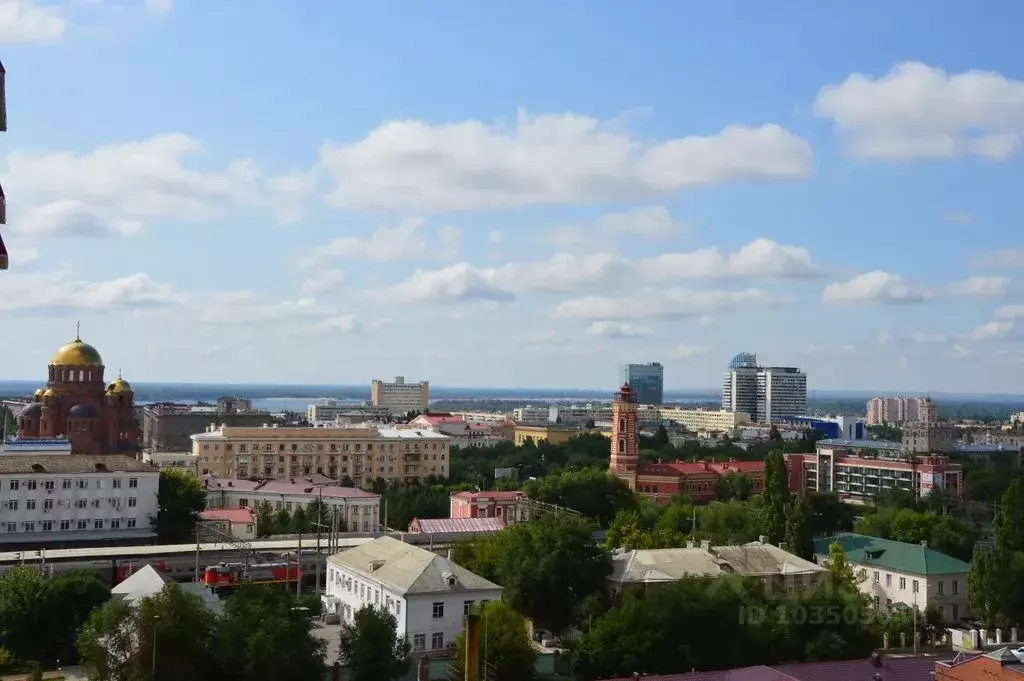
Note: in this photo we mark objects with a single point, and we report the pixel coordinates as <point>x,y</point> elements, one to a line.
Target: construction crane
<point>4,260</point>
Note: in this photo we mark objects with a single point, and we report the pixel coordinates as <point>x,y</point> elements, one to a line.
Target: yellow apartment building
<point>363,454</point>
<point>705,419</point>
<point>554,434</point>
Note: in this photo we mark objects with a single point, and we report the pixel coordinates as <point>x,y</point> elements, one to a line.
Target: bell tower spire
<point>625,445</point>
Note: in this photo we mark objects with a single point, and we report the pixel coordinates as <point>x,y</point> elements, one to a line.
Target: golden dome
<point>77,354</point>
<point>39,393</point>
<point>119,386</point>
<point>49,392</point>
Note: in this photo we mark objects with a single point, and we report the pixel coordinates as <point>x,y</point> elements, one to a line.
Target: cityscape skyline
<point>514,196</point>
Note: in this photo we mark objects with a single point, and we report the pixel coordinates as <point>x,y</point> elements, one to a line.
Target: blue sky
<point>515,195</point>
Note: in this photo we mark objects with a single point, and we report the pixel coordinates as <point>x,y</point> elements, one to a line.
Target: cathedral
<point>76,404</point>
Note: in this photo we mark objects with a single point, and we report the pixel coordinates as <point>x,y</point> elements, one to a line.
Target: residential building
<point>1001,664</point>
<point>358,508</point>
<point>460,527</point>
<point>647,382</point>
<point>186,461</point>
<point>399,397</point>
<point>428,594</point>
<point>896,411</point>
<point>553,434</point>
<point>774,565</point>
<point>77,404</point>
<point>911,574</point>
<point>169,427</point>
<point>239,523</point>
<point>766,393</point>
<point>56,498</point>
<point>921,437</point>
<point>462,432</point>
<point>857,470</point>
<point>405,455</point>
<point>509,506</point>
<point>705,419</point>
<point>333,411</point>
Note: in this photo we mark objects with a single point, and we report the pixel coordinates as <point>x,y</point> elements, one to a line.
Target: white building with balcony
<point>427,593</point>
<point>55,497</point>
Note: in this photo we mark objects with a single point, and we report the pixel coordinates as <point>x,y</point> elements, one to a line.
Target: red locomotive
<point>232,574</point>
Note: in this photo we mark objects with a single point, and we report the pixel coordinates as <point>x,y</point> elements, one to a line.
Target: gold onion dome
<point>49,392</point>
<point>77,354</point>
<point>39,392</point>
<point>119,386</point>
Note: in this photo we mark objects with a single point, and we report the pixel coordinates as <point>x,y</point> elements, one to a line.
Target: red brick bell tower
<point>625,446</point>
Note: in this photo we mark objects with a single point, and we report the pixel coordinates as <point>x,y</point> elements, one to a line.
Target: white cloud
<point>647,222</point>
<point>674,303</point>
<point>328,281</point>
<point>27,21</point>
<point>115,188</point>
<point>405,241</point>
<point>884,337</point>
<point>496,237</point>
<point>1004,259</point>
<point>875,287</point>
<point>761,258</point>
<point>989,331</point>
<point>546,159</point>
<point>341,324</point>
<point>981,287</point>
<point>1010,312</point>
<point>60,291</point>
<point>458,282</point>
<point>561,273</point>
<point>687,351</point>
<point>916,111</point>
<point>244,307</point>
<point>610,329</point>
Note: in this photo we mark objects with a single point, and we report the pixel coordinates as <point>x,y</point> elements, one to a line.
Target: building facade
<point>552,434</point>
<point>360,454</point>
<point>911,574</point>
<point>896,411</point>
<point>923,437</point>
<point>766,393</point>
<point>59,498</point>
<point>359,509</point>
<point>858,470</point>
<point>647,381</point>
<point>170,427</point>
<point>76,404</point>
<point>399,397</point>
<point>625,445</point>
<point>510,506</point>
<point>428,594</point>
<point>330,411</point>
<point>705,419</point>
<point>239,523</point>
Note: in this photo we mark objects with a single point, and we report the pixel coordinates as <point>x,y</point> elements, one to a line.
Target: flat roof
<point>309,433</point>
<point>861,444</point>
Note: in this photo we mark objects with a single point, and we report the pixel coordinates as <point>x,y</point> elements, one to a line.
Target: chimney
<point>423,670</point>
<point>762,539</point>
<point>472,656</point>
<point>449,555</point>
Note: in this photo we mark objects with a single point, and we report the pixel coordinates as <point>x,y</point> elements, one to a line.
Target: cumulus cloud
<point>917,111</point>
<point>245,307</point>
<point>877,287</point>
<point>116,188</point>
<point>981,287</point>
<point>405,241</point>
<point>646,222</point>
<point>547,159</point>
<point>1010,312</point>
<point>28,21</point>
<point>990,331</point>
<point>761,258</point>
<point>160,6</point>
<point>338,325</point>
<point>458,282</point>
<point>610,329</point>
<point>57,292</point>
<point>673,303</point>
<point>328,281</point>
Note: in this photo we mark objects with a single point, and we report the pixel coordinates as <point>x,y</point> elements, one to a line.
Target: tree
<point>108,644</point>
<point>8,422</point>
<point>660,438</point>
<point>504,637</point>
<point>178,626</point>
<point>262,637</point>
<point>180,500</point>
<point>594,493</point>
<point>729,522</point>
<point>773,434</point>
<point>1009,520</point>
<point>799,539</point>
<point>775,496</point>
<point>266,517</point>
<point>371,648</point>
<point>843,577</point>
<point>734,486</point>
<point>983,586</point>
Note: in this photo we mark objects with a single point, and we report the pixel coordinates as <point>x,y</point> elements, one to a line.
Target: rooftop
<point>910,668</point>
<point>232,515</point>
<point>668,565</point>
<point>19,464</point>
<point>317,485</point>
<point>149,581</point>
<point>496,495</point>
<point>408,569</point>
<point>308,433</point>
<point>698,467</point>
<point>883,445</point>
<point>456,525</point>
<point>917,559</point>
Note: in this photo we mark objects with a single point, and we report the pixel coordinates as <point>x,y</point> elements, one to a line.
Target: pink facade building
<point>508,506</point>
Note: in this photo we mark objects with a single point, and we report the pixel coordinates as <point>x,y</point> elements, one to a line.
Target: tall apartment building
<point>899,410</point>
<point>766,393</point>
<point>647,381</point>
<point>399,397</point>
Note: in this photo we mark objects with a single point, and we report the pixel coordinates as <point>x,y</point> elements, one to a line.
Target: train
<point>226,575</point>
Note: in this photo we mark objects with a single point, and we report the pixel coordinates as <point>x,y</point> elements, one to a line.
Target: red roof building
<point>508,506</point>
<point>237,522</point>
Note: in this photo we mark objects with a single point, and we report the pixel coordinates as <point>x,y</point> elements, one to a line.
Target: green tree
<point>829,514</point>
<point>799,539</point>
<point>108,644</point>
<point>300,521</point>
<point>262,636</point>
<point>266,518</point>
<point>371,649</point>
<point>8,422</point>
<point>775,496</point>
<point>1009,520</point>
<point>594,493</point>
<point>983,586</point>
<point>737,486</point>
<point>176,625</point>
<point>843,577</point>
<point>729,522</point>
<point>180,500</point>
<point>504,638</point>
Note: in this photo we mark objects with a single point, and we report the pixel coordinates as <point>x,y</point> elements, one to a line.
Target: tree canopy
<point>371,649</point>
<point>505,648</point>
<point>180,500</point>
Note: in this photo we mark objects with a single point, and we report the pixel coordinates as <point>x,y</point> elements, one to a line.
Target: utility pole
<point>197,553</point>
<point>319,517</point>
<point>298,567</point>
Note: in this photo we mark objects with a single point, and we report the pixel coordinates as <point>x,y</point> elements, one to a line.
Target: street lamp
<point>156,621</point>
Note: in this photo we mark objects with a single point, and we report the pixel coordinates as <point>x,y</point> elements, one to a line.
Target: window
<point>13,504</point>
<point>14,484</point>
<point>115,524</point>
<point>48,504</point>
<point>30,526</point>
<point>419,642</point>
<point>66,484</point>
<point>65,524</point>
<point>466,607</point>
<point>81,503</point>
<point>31,484</point>
<point>82,484</point>
<point>117,483</point>
<point>98,524</point>
<point>30,504</point>
<point>80,525</point>
<point>47,526</point>
<point>437,641</point>
<point>956,611</point>
<point>131,502</point>
<point>438,610</point>
<point>133,483</point>
<point>99,484</point>
<point>876,577</point>
<point>956,589</point>
<point>131,522</point>
<point>941,587</point>
<point>888,580</point>
<point>903,583</point>
<point>48,485</point>
<point>914,586</point>
<point>12,527</point>
<point>243,503</point>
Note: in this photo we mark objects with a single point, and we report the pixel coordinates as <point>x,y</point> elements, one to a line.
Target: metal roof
<point>432,525</point>
<point>892,555</point>
<point>861,444</point>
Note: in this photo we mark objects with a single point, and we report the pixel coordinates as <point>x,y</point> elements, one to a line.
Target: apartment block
<point>705,419</point>
<point>766,393</point>
<point>899,410</point>
<point>399,397</point>
<point>362,454</point>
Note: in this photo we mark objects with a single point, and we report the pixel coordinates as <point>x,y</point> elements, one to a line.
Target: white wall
<point>122,502</point>
<point>898,587</point>
<point>361,514</point>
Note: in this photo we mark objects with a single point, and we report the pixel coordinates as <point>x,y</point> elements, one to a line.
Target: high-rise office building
<point>764,393</point>
<point>647,381</point>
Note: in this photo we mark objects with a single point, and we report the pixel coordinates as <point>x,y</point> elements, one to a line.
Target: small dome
<point>38,394</point>
<point>77,354</point>
<point>119,386</point>
<point>83,411</point>
<point>34,410</point>
<point>49,392</point>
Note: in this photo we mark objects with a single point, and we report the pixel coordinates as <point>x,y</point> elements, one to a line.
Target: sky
<point>524,194</point>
